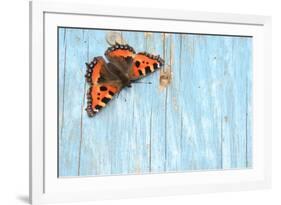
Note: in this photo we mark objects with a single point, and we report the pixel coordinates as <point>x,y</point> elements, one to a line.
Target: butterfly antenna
<point>142,82</point>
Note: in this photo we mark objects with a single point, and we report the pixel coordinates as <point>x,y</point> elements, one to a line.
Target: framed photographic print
<point>130,103</point>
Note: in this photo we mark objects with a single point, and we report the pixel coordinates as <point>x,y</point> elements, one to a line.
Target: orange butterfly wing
<point>121,51</point>
<point>102,88</point>
<point>144,64</point>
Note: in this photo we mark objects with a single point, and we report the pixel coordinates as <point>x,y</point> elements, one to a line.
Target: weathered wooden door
<point>202,120</point>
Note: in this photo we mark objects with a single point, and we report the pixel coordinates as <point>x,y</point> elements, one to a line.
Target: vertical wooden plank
<point>126,140</point>
<point>136,126</point>
<point>61,86</point>
<point>211,110</point>
<point>194,96</point>
<point>219,63</point>
<point>187,124</point>
<point>216,54</point>
<point>126,151</point>
<point>155,44</point>
<point>240,93</point>
<point>226,131</point>
<point>240,59</point>
<point>73,87</point>
<point>235,111</point>
<point>249,102</point>
<point>172,118</point>
<point>150,48</point>
<point>141,110</point>
<point>95,158</point>
<point>155,143</point>
<point>167,38</point>
<point>200,103</point>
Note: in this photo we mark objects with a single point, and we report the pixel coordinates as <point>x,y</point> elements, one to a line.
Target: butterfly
<point>123,68</point>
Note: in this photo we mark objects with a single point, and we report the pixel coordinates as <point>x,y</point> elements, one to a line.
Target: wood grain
<point>201,121</point>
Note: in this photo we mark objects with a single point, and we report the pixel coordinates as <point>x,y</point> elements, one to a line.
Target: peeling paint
<point>113,37</point>
<point>165,77</point>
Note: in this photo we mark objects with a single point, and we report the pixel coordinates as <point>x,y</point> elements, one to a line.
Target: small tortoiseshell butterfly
<point>123,68</point>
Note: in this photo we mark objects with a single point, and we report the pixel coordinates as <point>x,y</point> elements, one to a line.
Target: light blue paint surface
<point>201,121</point>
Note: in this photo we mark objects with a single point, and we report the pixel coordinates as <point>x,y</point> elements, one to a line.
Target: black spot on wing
<point>155,66</point>
<point>137,63</point>
<point>105,100</point>
<point>98,107</point>
<point>103,88</point>
<point>147,70</point>
<point>111,93</point>
<point>140,72</point>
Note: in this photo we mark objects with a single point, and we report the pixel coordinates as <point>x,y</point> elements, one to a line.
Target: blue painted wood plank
<point>249,101</point>
<point>235,111</point>
<point>61,86</point>
<point>137,153</point>
<point>201,121</point>
<point>141,109</point>
<point>73,102</point>
<point>212,121</point>
<point>156,115</point>
<point>95,146</point>
<point>127,154</point>
<point>240,109</point>
<point>173,116</point>
<point>155,142</point>
<point>126,103</point>
<point>172,123</point>
<point>187,123</point>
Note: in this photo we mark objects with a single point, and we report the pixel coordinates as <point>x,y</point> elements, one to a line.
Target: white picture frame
<point>46,187</point>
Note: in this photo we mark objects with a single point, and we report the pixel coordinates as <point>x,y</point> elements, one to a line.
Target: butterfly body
<point>123,68</point>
